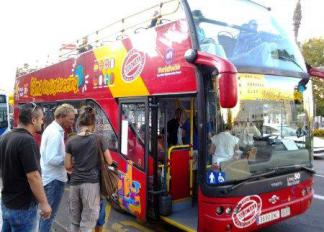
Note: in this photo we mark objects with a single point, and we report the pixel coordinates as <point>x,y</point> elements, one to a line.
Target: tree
<point>297,18</point>
<point>313,52</point>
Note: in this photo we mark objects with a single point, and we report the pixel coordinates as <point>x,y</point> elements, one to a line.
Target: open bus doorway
<point>176,140</point>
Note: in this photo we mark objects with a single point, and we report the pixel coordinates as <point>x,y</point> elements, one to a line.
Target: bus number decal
<point>247,211</point>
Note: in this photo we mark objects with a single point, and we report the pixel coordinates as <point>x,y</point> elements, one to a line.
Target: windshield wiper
<point>296,167</point>
<point>273,171</point>
<point>285,56</point>
<point>246,180</point>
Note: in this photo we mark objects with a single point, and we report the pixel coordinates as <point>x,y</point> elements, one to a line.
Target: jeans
<point>102,213</point>
<point>19,220</point>
<point>54,193</point>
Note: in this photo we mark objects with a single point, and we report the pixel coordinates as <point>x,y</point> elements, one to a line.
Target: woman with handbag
<point>83,157</point>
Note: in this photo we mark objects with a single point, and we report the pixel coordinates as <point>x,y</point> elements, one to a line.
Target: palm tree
<point>297,18</point>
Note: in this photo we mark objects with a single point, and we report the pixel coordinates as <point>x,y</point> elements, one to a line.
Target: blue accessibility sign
<point>215,177</point>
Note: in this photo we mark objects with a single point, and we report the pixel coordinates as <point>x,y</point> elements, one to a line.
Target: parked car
<point>318,147</point>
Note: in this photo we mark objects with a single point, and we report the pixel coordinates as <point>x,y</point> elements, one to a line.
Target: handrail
<point>108,34</point>
<point>123,22</point>
<point>169,156</point>
<point>191,142</point>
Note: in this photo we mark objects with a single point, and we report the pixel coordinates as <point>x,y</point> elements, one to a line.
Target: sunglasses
<point>35,106</point>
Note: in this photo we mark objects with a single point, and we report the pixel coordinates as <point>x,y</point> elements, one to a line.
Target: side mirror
<point>316,72</point>
<point>227,75</point>
<point>227,90</point>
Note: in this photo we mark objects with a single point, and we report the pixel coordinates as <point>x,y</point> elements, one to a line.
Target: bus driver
<point>224,145</point>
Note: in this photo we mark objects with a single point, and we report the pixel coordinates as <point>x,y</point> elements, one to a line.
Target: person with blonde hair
<point>52,151</point>
<point>83,157</point>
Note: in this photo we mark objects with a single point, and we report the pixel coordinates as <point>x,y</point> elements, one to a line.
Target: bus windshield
<point>246,34</point>
<point>268,129</point>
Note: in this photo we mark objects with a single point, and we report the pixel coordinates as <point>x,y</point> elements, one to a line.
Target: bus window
<point>103,127</point>
<point>3,118</point>
<point>133,116</point>
<point>4,123</point>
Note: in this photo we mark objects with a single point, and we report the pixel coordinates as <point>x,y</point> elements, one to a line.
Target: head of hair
<point>228,126</point>
<point>63,110</point>
<point>28,112</point>
<point>253,25</point>
<point>87,116</point>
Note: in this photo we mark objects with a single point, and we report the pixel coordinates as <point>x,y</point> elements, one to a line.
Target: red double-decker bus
<point>225,67</point>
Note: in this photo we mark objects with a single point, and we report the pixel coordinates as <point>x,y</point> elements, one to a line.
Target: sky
<point>30,30</point>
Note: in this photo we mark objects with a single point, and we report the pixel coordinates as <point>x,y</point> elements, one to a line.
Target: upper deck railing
<point>158,14</point>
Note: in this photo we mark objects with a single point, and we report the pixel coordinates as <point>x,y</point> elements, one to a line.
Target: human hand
<point>215,166</point>
<point>69,171</point>
<point>45,210</point>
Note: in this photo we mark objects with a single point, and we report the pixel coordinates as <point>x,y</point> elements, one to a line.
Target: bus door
<point>177,181</point>
<point>134,145</point>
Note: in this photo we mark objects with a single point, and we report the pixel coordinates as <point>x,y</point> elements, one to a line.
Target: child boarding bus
<point>4,113</point>
<point>168,84</point>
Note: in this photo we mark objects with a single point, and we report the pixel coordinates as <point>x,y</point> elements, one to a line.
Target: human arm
<point>29,158</point>
<point>106,153</point>
<point>36,185</point>
<point>108,158</point>
<point>68,162</point>
<point>211,149</point>
<point>256,131</point>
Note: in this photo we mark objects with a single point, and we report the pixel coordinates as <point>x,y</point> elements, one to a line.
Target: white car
<point>283,132</point>
<point>318,150</point>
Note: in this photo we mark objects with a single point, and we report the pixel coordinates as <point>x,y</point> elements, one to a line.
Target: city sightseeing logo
<point>133,65</point>
<point>247,211</point>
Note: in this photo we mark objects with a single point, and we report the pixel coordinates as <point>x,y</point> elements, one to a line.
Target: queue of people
<point>39,175</point>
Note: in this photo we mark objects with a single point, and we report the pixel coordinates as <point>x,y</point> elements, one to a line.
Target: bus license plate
<point>268,217</point>
<point>285,212</point>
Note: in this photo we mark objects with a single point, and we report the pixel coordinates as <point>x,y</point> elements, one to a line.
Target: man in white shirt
<point>223,146</point>
<point>249,132</point>
<point>52,151</point>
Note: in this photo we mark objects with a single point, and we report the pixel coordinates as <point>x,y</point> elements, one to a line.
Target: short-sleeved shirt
<point>19,155</point>
<point>225,144</point>
<point>85,158</point>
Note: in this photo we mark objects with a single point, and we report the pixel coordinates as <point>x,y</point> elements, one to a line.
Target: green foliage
<point>318,91</point>
<point>313,52</point>
<point>318,132</point>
